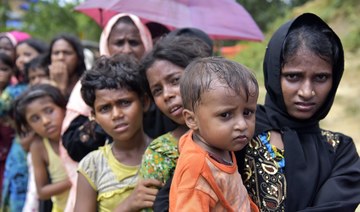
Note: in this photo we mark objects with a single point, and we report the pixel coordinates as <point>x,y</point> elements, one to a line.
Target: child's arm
<point>44,189</point>
<point>143,196</point>
<point>85,195</point>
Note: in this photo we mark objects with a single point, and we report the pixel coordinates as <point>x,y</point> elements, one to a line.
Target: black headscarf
<point>310,160</point>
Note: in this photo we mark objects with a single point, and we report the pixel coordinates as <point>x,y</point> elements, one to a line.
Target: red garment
<point>200,183</point>
<point>6,137</point>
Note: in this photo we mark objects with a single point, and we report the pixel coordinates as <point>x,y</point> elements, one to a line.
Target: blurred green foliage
<point>45,20</point>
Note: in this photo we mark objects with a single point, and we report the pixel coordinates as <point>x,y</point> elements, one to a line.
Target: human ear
<point>190,119</point>
<point>146,103</point>
<point>92,115</point>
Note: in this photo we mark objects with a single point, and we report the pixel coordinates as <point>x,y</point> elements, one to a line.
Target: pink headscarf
<point>15,36</point>
<point>143,30</point>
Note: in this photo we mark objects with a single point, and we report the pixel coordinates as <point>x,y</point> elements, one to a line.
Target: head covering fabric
<point>15,36</point>
<point>143,30</point>
<point>309,158</point>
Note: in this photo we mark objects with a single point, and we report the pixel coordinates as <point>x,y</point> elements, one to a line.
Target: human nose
<point>45,120</point>
<point>117,113</point>
<point>306,90</point>
<point>167,93</point>
<point>126,48</point>
<point>241,123</point>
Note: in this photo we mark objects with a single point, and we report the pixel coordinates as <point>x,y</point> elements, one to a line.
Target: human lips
<point>51,129</point>
<point>175,110</point>
<point>241,139</point>
<point>304,106</point>
<point>121,127</point>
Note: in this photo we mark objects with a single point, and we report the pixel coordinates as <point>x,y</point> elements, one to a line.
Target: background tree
<point>45,19</point>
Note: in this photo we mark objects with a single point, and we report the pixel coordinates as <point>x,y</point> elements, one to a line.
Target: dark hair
<point>29,95</point>
<point>7,60</point>
<point>38,62</point>
<point>76,44</point>
<point>193,32</point>
<point>156,29</point>
<point>116,72</point>
<point>179,50</point>
<point>316,38</point>
<point>36,44</point>
<point>199,75</point>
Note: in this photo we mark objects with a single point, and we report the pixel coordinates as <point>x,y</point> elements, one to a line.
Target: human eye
<point>104,108</point>
<point>156,91</point>
<point>134,42</point>
<point>292,77</point>
<point>248,113</point>
<point>48,110</point>
<point>322,77</point>
<point>225,115</point>
<point>34,118</point>
<point>124,103</point>
<point>175,80</point>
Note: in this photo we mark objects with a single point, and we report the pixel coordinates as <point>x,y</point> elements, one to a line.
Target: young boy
<point>113,88</point>
<point>219,98</point>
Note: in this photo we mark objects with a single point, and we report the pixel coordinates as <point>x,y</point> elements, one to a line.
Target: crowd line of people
<point>157,122</point>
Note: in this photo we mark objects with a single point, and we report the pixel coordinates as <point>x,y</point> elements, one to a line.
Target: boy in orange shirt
<point>219,99</point>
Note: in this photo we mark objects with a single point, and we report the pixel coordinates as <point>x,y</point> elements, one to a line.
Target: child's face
<point>5,75</point>
<point>37,76</point>
<point>224,119</point>
<point>45,117</point>
<point>306,81</point>
<point>24,53</point>
<point>163,78</point>
<point>119,112</point>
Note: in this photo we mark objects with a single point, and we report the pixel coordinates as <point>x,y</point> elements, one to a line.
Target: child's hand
<point>143,196</point>
<point>26,138</point>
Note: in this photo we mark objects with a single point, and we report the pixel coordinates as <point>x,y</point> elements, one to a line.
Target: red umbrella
<point>221,19</point>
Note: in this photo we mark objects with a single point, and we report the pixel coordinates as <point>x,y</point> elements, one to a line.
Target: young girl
<point>163,68</point>
<point>26,51</point>
<point>41,108</point>
<point>293,164</point>
<point>114,90</point>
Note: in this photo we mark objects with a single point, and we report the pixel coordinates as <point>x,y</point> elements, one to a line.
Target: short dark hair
<point>29,95</point>
<point>200,74</point>
<point>76,44</point>
<point>179,50</point>
<point>38,62</point>
<point>116,72</point>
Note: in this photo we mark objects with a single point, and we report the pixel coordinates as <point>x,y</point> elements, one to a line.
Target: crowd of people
<point>158,123</point>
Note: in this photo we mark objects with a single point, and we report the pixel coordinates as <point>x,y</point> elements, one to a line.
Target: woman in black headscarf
<point>293,164</point>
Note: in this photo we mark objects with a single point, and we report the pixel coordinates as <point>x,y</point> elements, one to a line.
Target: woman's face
<point>164,78</point>
<point>125,39</point>
<point>24,54</point>
<point>306,81</point>
<point>63,51</point>
<point>6,47</point>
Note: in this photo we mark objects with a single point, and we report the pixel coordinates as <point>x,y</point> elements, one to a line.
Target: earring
<point>313,93</point>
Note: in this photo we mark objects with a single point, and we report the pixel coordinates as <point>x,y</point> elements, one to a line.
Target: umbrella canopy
<point>220,19</point>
